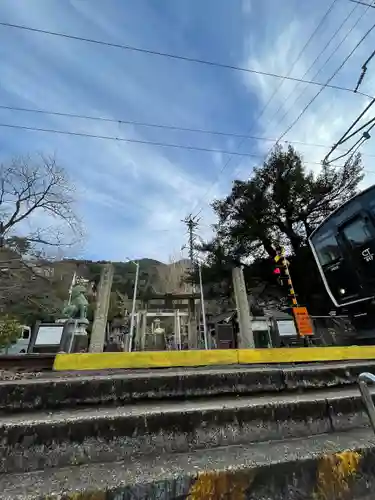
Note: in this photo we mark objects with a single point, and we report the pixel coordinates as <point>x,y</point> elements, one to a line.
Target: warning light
<point>277,270</point>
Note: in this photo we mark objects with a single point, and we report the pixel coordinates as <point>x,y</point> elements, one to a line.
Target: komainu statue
<point>77,308</point>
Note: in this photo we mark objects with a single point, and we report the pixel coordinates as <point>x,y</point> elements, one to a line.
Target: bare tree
<point>36,214</point>
<point>30,284</point>
<point>36,201</point>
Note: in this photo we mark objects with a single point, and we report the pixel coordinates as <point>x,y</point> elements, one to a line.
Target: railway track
<point>27,362</point>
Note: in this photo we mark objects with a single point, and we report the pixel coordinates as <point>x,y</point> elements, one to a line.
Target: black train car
<point>344,250</point>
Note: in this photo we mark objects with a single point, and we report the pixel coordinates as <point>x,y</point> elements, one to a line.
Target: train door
<point>358,235</point>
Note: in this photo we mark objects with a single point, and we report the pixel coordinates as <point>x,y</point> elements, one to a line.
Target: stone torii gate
<point>169,308</point>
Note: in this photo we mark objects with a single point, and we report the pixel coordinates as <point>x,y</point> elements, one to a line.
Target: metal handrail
<point>363,380</point>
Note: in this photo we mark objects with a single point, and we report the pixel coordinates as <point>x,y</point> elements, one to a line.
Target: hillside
<point>43,287</point>
<point>154,276</point>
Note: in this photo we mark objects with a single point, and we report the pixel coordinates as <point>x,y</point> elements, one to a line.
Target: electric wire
<point>345,137</point>
<point>329,80</point>
<point>169,55</point>
<point>320,90</point>
<point>183,58</point>
<point>355,147</point>
<point>296,120</point>
<point>364,71</point>
<point>158,126</point>
<point>265,107</point>
<point>334,51</point>
<point>122,139</point>
<point>144,142</point>
<point>363,3</point>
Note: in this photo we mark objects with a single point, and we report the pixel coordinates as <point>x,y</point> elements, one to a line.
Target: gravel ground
<point>13,375</point>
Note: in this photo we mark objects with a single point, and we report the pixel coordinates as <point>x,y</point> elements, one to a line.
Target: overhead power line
<point>320,91</point>
<point>139,141</point>
<point>337,47</point>
<point>157,125</point>
<point>169,55</point>
<point>350,133</point>
<point>363,3</point>
<point>363,72</point>
<point>328,81</point>
<point>265,107</point>
<point>122,139</point>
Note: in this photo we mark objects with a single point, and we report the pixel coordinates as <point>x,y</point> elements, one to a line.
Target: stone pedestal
<point>74,338</point>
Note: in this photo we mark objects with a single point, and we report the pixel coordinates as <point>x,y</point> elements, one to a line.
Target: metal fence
<point>333,330</point>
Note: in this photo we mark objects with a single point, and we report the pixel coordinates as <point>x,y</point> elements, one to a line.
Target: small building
<point>224,330</point>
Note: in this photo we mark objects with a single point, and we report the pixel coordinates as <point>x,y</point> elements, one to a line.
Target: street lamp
<point>132,318</point>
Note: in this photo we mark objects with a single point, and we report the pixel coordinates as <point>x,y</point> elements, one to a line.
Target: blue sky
<point>132,197</point>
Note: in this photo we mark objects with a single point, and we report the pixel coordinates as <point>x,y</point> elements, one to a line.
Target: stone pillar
<point>137,333</point>
<point>142,329</point>
<point>177,329</point>
<point>246,337</point>
<point>101,311</point>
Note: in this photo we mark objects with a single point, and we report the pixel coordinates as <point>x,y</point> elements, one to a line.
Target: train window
<point>25,333</point>
<point>328,250</point>
<point>358,232</point>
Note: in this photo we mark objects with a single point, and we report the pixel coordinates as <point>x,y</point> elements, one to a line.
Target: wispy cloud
<point>332,111</point>
<point>133,196</point>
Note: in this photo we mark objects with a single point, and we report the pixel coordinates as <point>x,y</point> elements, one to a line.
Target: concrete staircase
<point>242,433</point>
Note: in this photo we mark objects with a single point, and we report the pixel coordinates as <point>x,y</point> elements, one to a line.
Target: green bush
<point>10,330</point>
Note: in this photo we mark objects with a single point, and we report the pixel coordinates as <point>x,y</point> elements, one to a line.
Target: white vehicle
<point>22,344</point>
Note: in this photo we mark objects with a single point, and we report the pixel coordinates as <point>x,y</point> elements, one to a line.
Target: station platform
<point>189,358</point>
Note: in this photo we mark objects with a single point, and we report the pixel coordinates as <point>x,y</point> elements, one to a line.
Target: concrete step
<point>43,439</point>
<point>92,389</point>
<point>325,467</point>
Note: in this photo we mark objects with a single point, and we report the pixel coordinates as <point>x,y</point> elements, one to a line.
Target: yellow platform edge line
<point>147,359</point>
<point>169,359</point>
<point>305,354</point>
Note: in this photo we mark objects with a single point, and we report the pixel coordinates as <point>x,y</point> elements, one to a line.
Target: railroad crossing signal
<point>301,316</point>
<point>280,257</point>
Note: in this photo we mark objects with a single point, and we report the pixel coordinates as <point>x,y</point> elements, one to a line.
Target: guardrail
<point>363,380</point>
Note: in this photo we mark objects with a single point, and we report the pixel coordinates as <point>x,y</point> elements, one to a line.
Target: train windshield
<point>327,249</point>
<point>344,249</point>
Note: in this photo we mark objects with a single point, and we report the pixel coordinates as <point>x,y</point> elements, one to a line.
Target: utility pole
<point>192,224</point>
